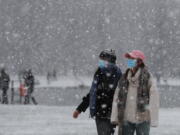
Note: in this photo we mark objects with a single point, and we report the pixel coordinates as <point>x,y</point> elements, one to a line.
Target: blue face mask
<point>131,63</point>
<point>102,64</point>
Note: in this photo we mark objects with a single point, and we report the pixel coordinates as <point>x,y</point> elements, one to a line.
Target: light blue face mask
<point>102,64</point>
<point>131,63</point>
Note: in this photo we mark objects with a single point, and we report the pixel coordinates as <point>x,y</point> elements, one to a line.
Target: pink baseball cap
<point>136,54</point>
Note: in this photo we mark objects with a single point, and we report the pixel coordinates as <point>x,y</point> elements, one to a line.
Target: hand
<point>76,114</point>
<point>114,123</point>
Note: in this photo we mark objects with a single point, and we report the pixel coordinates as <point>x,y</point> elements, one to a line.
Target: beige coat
<point>131,114</point>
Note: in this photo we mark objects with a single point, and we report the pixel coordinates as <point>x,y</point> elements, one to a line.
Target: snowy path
<point>44,120</point>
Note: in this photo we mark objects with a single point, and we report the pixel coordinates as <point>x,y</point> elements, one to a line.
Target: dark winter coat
<point>104,84</point>
<point>29,82</point>
<point>4,80</point>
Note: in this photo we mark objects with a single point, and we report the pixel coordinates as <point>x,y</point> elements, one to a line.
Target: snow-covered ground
<point>43,120</point>
<point>69,90</point>
<point>71,81</point>
<point>170,81</point>
<point>63,81</point>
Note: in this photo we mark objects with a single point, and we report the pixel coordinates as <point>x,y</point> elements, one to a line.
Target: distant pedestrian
<point>48,77</point>
<point>4,84</point>
<point>22,92</point>
<point>29,83</point>
<point>12,92</point>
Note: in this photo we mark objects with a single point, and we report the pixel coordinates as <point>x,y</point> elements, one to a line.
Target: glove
<point>76,114</point>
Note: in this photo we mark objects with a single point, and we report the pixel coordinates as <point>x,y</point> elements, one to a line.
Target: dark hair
<point>108,55</point>
<point>140,63</point>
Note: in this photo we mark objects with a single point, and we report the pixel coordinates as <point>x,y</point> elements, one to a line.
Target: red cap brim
<point>128,55</point>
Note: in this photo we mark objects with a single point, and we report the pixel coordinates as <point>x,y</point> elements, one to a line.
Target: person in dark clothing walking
<point>29,83</point>
<point>4,83</point>
<point>100,97</point>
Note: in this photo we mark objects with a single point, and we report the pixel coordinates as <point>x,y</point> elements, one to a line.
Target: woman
<point>136,100</point>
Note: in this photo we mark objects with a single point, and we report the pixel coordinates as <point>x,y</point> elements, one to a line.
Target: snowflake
<point>104,106</point>
<point>111,86</point>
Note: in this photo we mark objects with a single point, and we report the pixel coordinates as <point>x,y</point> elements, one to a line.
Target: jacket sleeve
<point>154,103</point>
<point>114,113</point>
<point>84,104</point>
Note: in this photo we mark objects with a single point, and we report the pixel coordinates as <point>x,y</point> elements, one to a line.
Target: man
<point>136,101</point>
<point>29,83</point>
<point>100,97</point>
<point>4,82</point>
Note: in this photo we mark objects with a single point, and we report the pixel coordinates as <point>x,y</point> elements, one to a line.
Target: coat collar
<point>133,79</point>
